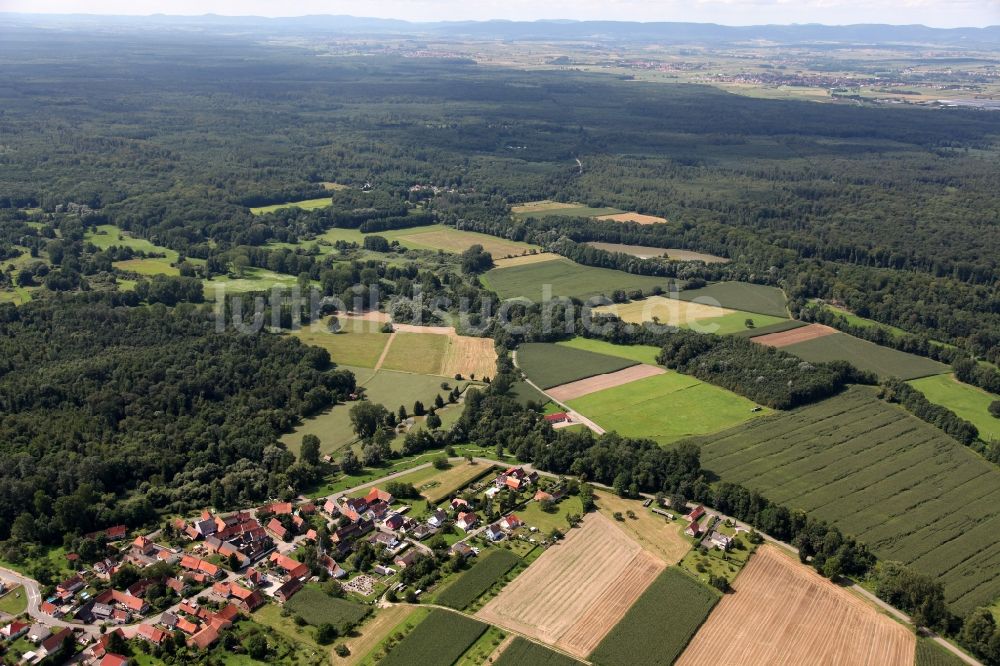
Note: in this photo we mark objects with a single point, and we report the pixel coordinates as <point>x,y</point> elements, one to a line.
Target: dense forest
<point>121,399</point>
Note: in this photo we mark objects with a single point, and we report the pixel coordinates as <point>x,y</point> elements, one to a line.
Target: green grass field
<point>14,602</point>
<point>305,204</point>
<point>741,296</point>
<point>566,278</point>
<point>540,209</point>
<point>734,322</point>
<point>522,652</point>
<point>666,408</point>
<point>439,640</point>
<point>254,279</point>
<point>431,237</point>
<point>660,624</point>
<point>361,349</point>
<point>855,320</point>
<point>786,325</point>
<point>105,236</point>
<point>638,353</point>
<point>317,607</point>
<point>883,476</point>
<point>968,402</point>
<point>480,577</point>
<point>883,361</point>
<point>533,516</point>
<point>549,365</point>
<point>392,389</point>
<point>416,352</point>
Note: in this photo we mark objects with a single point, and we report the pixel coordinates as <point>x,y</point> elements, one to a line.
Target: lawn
<point>549,365</point>
<point>533,516</point>
<point>488,569</point>
<point>968,402</point>
<point>522,651</point>
<point>317,607</point>
<point>439,640</point>
<point>660,624</point>
<point>305,204</point>
<point>881,475</point>
<point>547,208</point>
<point>638,353</point>
<point>753,298</point>
<point>422,353</point>
<point>392,389</point>
<point>14,602</point>
<point>883,361</point>
<point>666,407</point>
<point>361,349</point>
<point>565,278</point>
<point>253,279</point>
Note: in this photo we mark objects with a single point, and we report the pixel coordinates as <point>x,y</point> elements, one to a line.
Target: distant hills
<point>619,31</point>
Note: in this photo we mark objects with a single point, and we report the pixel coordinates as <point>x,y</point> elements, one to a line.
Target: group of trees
<point>895,390</point>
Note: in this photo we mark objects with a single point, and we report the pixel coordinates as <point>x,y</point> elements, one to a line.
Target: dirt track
<point>784,613</point>
<point>597,383</point>
<point>577,590</point>
<point>801,334</point>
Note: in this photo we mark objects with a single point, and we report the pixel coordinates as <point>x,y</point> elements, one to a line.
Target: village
<point>186,583</point>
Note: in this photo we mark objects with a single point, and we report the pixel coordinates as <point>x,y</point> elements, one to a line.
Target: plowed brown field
<point>577,590</point>
<point>597,383</point>
<point>784,613</point>
<point>801,334</point>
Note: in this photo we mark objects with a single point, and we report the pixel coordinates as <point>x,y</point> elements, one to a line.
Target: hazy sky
<point>942,13</point>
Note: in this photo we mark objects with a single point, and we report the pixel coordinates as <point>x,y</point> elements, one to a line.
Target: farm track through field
<point>783,612</point>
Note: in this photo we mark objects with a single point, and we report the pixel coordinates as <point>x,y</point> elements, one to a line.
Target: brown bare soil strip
<point>633,217</point>
<point>525,259</point>
<point>784,613</point>
<point>801,334</point>
<point>468,356</point>
<point>597,383</point>
<point>578,590</point>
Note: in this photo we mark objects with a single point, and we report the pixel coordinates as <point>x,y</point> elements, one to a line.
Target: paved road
<point>33,590</point>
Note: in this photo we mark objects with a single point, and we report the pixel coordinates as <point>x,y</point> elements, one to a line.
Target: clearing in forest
<point>583,387</point>
<point>578,589</point>
<point>784,612</point>
<point>638,218</point>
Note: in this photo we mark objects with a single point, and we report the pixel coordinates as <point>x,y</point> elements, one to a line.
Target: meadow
<point>666,408</point>
<point>883,476</point>
<point>14,601</point>
<point>638,353</point>
<point>433,237</point>
<point>105,236</point>
<point>968,402</point>
<point>416,352</point>
<point>703,318</point>
<point>883,361</point>
<point>480,577</point>
<point>439,640</point>
<point>549,365</point>
<point>744,296</point>
<point>557,209</point>
<point>660,624</point>
<point>545,522</point>
<point>566,278</point>
<point>304,204</point>
<point>522,651</point>
<point>647,252</point>
<point>356,348</point>
<point>317,607</point>
<point>251,279</point>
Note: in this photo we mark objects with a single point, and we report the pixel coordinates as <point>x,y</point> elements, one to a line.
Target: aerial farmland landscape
<point>469,334</point>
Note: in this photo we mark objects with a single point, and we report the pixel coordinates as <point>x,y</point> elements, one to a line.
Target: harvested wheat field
<point>801,334</point>
<point>470,357</point>
<point>583,387</point>
<point>638,218</point>
<point>784,613</point>
<point>577,590</point>
<point>524,259</point>
<point>668,311</point>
